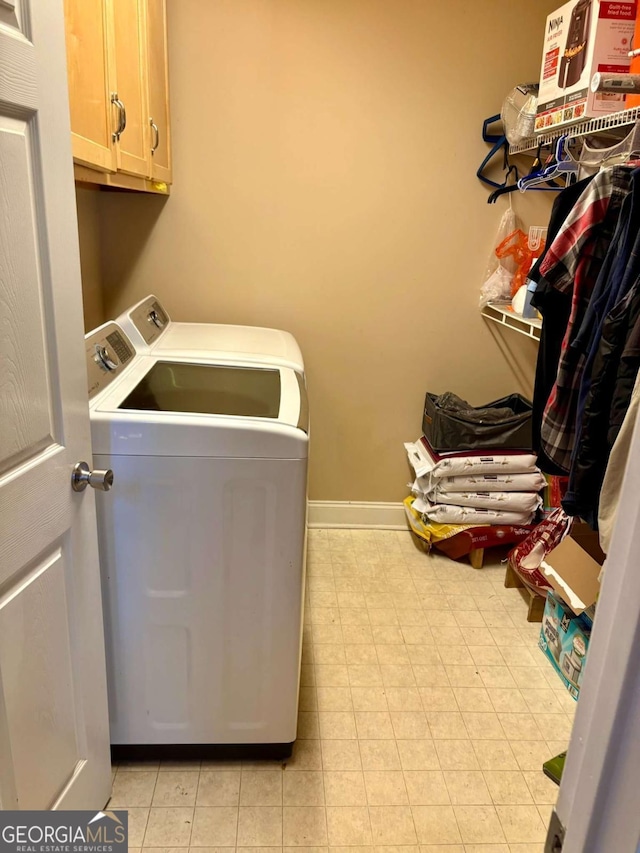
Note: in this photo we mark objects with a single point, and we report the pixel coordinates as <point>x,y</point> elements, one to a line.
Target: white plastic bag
<point>497,288</point>
<point>518,112</point>
<point>496,284</point>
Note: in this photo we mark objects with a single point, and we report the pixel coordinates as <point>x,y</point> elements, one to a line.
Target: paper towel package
<point>573,570</point>
<point>564,638</point>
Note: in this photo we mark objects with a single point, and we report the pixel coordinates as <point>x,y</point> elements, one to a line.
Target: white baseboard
<point>380,516</point>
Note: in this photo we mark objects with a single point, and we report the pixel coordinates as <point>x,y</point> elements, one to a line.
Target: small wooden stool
<point>535,601</point>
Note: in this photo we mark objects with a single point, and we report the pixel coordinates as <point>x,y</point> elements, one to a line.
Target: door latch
<point>556,835</point>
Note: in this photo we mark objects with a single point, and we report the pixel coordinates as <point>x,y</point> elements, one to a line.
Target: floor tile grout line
<point>238,813</point>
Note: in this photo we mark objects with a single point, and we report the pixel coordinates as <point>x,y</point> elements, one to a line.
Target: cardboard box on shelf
<point>582,37</point>
<point>634,100</point>
<point>573,570</point>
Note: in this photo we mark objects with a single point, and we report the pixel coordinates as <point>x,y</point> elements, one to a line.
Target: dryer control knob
<point>103,359</point>
<point>156,319</point>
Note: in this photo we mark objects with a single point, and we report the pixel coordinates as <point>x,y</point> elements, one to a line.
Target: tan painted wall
<point>87,202</point>
<point>324,166</point>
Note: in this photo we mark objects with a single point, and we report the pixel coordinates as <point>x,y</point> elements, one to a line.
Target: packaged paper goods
<point>458,489</point>
<point>518,463</point>
<point>564,638</point>
<point>487,483</point>
<point>527,502</point>
<point>429,531</point>
<point>450,514</point>
<point>424,461</point>
<point>458,540</point>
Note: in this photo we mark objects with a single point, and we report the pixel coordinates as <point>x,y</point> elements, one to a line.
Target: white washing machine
<point>202,543</point>
<point>151,330</point>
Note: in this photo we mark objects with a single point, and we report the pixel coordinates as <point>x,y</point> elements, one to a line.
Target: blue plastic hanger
<point>563,164</point>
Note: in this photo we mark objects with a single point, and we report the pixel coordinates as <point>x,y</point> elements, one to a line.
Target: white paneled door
<point>54,737</point>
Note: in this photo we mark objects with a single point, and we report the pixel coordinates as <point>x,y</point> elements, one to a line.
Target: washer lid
<point>246,343</point>
<point>207,389</point>
<point>189,407</point>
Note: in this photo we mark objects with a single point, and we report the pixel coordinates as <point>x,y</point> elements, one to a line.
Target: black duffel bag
<point>450,423</point>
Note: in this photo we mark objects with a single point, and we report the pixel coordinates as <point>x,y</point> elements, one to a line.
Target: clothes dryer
<point>151,330</point>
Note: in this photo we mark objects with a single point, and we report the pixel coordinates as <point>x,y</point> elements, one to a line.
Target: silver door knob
<point>83,476</point>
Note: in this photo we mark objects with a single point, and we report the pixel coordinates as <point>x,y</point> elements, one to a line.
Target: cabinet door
<point>89,73</point>
<point>131,83</point>
<point>158,71</point>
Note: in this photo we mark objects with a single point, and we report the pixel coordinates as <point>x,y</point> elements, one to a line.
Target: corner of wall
<point>87,202</point>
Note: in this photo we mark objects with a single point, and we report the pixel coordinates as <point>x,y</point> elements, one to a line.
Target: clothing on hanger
<point>572,265</point>
<point>617,276</point>
<point>614,372</point>
<point>555,308</point>
<point>624,383</point>
<point>588,291</point>
<point>612,484</point>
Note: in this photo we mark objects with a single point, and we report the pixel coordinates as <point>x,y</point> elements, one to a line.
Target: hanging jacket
<point>572,266</point>
<point>555,308</point>
<point>612,484</point>
<point>624,384</point>
<point>614,371</point>
<point>618,274</point>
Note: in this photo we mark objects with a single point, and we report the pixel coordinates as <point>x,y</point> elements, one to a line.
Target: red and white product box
<point>582,37</point>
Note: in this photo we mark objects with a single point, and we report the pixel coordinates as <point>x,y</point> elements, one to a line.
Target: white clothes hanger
<point>595,158</point>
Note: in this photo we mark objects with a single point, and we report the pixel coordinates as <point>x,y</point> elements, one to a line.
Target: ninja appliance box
<point>573,570</point>
<point>582,37</point>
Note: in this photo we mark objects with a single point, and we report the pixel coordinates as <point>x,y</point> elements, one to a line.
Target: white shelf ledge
<point>586,127</point>
<point>505,316</point>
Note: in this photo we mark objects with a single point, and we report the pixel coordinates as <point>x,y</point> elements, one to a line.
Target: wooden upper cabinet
<point>119,91</point>
<point>158,70</point>
<point>90,75</point>
<point>132,145</point>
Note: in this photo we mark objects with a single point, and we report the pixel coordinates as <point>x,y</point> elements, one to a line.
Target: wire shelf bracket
<point>505,316</point>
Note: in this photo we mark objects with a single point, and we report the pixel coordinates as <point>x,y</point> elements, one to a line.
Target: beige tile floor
<point>426,711</point>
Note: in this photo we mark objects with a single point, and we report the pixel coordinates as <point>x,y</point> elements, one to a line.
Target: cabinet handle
<point>122,116</point>
<point>154,127</point>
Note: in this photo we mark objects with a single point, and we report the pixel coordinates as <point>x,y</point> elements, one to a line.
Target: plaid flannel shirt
<point>571,265</point>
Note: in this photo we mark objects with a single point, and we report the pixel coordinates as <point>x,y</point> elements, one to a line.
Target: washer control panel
<point>107,351</point>
<point>150,319</point>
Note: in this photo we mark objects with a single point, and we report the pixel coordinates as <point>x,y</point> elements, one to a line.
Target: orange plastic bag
<point>516,246</point>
